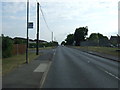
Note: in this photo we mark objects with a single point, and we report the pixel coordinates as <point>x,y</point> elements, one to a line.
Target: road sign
<point>30,25</point>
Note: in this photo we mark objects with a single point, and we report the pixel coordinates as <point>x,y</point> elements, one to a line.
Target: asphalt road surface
<point>73,68</point>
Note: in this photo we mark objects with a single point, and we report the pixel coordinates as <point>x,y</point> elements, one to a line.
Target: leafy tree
<point>80,34</point>
<point>97,36</point>
<point>99,39</point>
<point>70,39</point>
<point>63,43</point>
<point>54,43</point>
<point>7,45</point>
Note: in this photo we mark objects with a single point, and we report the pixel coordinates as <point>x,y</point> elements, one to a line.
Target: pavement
<point>72,68</point>
<point>28,76</point>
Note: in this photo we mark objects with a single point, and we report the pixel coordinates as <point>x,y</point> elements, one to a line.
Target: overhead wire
<point>44,17</point>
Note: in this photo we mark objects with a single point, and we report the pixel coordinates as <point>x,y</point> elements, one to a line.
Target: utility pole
<point>118,41</point>
<point>27,31</point>
<point>37,48</point>
<point>52,36</point>
<point>54,39</point>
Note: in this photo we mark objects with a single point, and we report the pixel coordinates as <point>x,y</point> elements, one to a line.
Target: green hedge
<point>7,45</point>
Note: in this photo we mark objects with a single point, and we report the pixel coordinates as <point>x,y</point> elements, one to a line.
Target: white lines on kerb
<point>109,73</point>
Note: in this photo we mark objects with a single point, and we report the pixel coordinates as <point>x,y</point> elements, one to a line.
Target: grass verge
<point>103,50</point>
<point>9,64</point>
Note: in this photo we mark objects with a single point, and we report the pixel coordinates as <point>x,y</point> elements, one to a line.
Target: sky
<point>62,16</point>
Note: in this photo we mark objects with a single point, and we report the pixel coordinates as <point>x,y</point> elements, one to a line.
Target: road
<point>73,68</point>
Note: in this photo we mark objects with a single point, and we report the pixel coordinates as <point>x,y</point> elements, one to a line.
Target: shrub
<point>7,45</point>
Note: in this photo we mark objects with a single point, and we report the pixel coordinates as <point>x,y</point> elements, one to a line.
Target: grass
<point>104,50</point>
<point>9,64</point>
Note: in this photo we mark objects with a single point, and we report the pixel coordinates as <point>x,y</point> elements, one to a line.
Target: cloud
<point>64,16</point>
<point>13,7</point>
<point>71,15</point>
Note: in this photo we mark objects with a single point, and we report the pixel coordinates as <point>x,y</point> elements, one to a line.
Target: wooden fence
<point>19,49</point>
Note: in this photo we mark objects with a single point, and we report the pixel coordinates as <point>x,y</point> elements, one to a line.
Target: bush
<point>7,45</point>
<point>48,44</point>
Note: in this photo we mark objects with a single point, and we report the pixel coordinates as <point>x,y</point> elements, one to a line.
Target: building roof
<point>30,39</point>
<point>115,38</point>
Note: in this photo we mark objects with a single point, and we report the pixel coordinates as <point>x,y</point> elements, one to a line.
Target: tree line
<point>80,35</point>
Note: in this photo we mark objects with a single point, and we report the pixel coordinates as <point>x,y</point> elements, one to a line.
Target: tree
<point>54,43</point>
<point>99,39</point>
<point>70,39</point>
<point>97,36</point>
<point>80,35</point>
<point>63,43</point>
<point>7,45</point>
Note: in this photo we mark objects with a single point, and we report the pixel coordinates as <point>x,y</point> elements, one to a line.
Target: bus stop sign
<point>30,25</point>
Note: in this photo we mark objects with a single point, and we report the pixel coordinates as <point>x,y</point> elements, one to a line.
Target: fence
<point>19,49</point>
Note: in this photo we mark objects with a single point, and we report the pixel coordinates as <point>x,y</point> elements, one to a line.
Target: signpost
<point>29,26</point>
<point>27,31</point>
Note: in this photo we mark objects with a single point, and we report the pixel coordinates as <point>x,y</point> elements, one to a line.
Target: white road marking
<point>41,68</point>
<point>45,75</point>
<point>54,52</point>
<point>112,75</point>
<point>109,73</point>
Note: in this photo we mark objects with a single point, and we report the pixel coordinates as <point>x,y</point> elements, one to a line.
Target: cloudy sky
<point>62,16</point>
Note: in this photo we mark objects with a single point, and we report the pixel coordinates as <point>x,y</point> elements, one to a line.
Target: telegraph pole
<point>37,47</point>
<point>52,36</point>
<point>27,31</point>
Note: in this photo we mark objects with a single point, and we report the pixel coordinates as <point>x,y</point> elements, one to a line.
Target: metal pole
<point>27,31</point>
<point>37,48</point>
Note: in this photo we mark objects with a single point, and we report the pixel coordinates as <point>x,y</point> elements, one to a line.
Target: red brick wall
<point>19,49</point>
